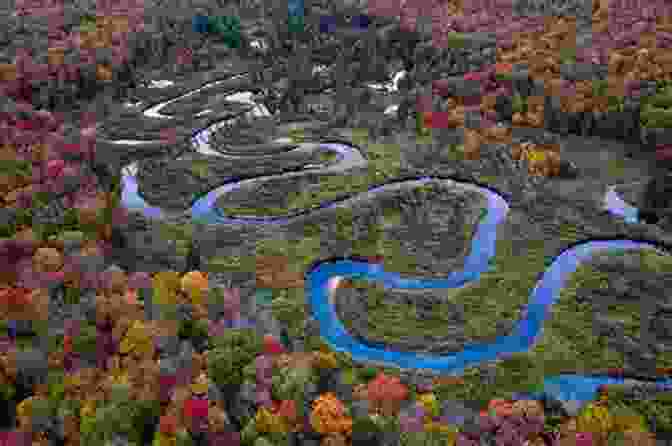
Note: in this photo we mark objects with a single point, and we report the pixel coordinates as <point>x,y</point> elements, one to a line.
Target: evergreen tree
<point>193,261</point>
<point>655,199</point>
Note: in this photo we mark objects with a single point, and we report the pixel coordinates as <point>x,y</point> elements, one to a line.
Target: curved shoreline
<point>204,209</point>
<point>528,328</point>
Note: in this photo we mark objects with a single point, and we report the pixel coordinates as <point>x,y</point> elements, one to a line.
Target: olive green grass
<point>456,40</point>
<point>616,167</point>
<point>453,152</point>
<point>327,156</point>
<point>386,322</point>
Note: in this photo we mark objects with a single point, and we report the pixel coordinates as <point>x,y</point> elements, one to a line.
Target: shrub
<point>7,391</point>
<point>267,422</point>
<point>249,433</point>
<point>368,373</point>
<point>145,415</point>
<point>595,419</point>
<point>290,382</point>
<point>430,403</point>
<point>108,420</point>
<point>365,431</point>
<point>86,342</point>
<point>626,418</point>
<point>261,441</point>
<point>183,438</point>
<point>657,411</point>
<point>290,312</point>
<point>428,439</point>
<point>519,104</point>
<point>195,331</point>
<point>55,386</point>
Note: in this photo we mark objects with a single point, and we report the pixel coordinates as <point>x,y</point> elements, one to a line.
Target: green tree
<point>232,352</point>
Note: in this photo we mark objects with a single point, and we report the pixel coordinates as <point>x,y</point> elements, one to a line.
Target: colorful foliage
<point>329,416</point>
<point>386,393</point>
<point>166,286</point>
<point>138,338</point>
<point>273,346</point>
<point>430,403</point>
<point>325,360</point>
<point>266,422</point>
<point>195,409</point>
<point>195,285</point>
<point>168,424</point>
<point>595,418</point>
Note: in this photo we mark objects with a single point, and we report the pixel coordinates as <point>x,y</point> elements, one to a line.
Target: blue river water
<point>618,207</point>
<point>527,330</point>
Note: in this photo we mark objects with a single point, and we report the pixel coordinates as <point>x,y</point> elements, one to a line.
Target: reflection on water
<point>283,140</point>
<point>132,142</point>
<point>390,86</point>
<point>259,44</point>
<point>161,84</point>
<point>617,206</point>
<point>392,109</point>
<point>334,282</point>
<point>320,69</point>
<point>153,112</point>
<point>201,141</point>
<point>246,97</point>
<point>204,112</point>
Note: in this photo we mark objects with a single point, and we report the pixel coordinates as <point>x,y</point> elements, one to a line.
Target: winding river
<point>322,279</point>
